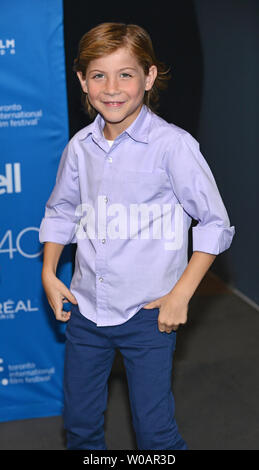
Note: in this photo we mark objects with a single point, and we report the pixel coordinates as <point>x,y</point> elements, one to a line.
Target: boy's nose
<point>111,86</point>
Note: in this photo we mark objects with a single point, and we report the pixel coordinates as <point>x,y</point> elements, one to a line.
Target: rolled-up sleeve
<point>60,220</point>
<point>195,188</point>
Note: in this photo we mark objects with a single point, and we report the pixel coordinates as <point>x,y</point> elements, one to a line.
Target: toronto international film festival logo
<point>125,217</point>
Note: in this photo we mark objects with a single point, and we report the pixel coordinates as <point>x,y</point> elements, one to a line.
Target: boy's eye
<point>100,75</point>
<point>97,75</point>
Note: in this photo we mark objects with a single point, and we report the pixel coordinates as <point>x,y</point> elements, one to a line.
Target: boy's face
<point>116,85</point>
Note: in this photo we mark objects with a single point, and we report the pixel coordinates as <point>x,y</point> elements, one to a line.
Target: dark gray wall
<point>228,127</point>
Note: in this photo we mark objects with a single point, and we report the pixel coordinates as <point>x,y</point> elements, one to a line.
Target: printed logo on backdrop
<point>10,309</point>
<point>13,374</point>
<point>7,46</point>
<point>25,243</point>
<point>13,115</point>
<point>31,363</point>
<point>10,181</point>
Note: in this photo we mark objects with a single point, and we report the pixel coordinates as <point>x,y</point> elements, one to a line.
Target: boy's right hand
<point>56,291</point>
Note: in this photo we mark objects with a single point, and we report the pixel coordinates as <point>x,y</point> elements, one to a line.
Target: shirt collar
<point>138,129</point>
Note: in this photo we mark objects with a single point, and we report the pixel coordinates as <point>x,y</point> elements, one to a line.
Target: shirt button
<point>106,199</point>
<point>110,159</point>
<point>101,279</point>
<point>103,240</point>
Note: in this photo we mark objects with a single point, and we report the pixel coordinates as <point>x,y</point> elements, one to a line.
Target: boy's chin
<point>113,117</point>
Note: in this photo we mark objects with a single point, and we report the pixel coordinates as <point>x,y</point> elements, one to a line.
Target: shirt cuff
<point>212,239</point>
<point>57,231</point>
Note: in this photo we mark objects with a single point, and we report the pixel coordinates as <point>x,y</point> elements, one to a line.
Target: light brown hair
<point>106,38</point>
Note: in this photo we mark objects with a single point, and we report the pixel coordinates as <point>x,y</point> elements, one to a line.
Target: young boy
<point>131,285</point>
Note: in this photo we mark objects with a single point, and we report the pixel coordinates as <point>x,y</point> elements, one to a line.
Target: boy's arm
<point>61,217</point>
<point>174,305</point>
<point>54,288</point>
<point>58,228</point>
<point>194,186</point>
<point>196,269</point>
<point>51,255</point>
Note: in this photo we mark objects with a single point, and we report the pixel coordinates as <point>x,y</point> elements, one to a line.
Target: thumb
<point>151,305</point>
<point>68,295</point>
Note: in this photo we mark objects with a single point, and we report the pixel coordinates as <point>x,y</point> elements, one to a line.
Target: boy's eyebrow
<point>98,70</point>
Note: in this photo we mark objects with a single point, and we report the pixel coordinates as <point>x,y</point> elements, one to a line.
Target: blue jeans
<point>147,354</point>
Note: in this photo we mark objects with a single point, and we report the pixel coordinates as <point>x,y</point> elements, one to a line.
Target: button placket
<point>101,299</point>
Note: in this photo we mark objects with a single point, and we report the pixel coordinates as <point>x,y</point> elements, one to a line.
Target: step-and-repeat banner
<point>33,134</point>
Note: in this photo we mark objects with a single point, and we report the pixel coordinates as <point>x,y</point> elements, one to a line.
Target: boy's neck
<point>108,137</point>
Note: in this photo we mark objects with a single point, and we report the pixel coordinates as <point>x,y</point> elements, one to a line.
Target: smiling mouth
<point>113,103</point>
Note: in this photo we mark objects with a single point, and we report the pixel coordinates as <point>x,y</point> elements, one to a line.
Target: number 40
<point>8,238</point>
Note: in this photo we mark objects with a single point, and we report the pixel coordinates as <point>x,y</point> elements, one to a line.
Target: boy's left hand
<point>173,310</point>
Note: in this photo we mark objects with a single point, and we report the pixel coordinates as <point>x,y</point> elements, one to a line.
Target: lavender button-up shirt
<point>129,207</point>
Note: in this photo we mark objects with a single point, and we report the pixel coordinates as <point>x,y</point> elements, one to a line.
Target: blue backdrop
<point>34,131</point>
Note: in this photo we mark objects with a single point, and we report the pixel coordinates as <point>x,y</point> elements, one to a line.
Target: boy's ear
<point>82,81</point>
<point>150,79</point>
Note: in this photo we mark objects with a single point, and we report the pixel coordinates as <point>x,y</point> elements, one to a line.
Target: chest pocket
<point>141,186</point>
